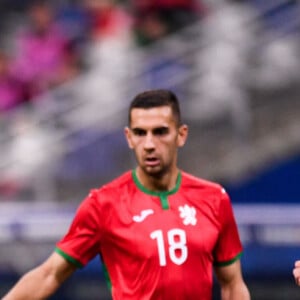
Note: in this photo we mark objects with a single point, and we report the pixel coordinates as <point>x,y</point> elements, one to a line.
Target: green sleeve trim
<point>106,276</point>
<point>69,258</point>
<point>228,262</point>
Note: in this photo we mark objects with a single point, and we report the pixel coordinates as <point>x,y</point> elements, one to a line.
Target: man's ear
<point>182,135</point>
<point>127,133</point>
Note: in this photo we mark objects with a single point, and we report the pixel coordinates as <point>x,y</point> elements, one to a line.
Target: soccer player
<point>160,232</point>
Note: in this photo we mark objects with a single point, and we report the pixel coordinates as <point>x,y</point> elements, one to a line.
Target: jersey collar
<point>163,195</point>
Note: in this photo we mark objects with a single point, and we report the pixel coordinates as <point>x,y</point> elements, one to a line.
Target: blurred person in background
<point>29,153</point>
<point>107,18</point>
<point>110,32</point>
<point>11,97</point>
<point>39,49</point>
<point>109,57</point>
<point>150,27</point>
<point>159,231</point>
<point>72,65</point>
<point>157,19</point>
<point>11,90</point>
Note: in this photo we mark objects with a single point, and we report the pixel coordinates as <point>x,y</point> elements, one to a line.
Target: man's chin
<point>155,171</point>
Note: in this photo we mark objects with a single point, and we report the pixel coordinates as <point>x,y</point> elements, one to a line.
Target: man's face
<point>154,137</point>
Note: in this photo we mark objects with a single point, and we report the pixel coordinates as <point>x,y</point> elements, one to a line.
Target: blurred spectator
<point>164,17</point>
<point>11,92</point>
<point>39,50</point>
<point>224,65</point>
<point>108,19</point>
<point>110,59</point>
<point>110,35</point>
<point>150,27</point>
<point>73,21</point>
<point>31,157</point>
<point>72,64</point>
<point>277,64</point>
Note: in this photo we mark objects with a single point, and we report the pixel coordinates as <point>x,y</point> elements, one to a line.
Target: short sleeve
<point>81,243</point>
<point>228,247</point>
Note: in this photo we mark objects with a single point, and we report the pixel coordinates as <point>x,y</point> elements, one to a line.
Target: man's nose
<point>149,142</point>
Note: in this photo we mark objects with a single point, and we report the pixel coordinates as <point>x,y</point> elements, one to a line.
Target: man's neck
<point>164,182</point>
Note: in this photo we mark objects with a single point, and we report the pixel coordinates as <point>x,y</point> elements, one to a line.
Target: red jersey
<point>155,245</point>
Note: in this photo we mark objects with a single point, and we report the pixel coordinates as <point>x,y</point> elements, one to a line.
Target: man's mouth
<point>152,161</point>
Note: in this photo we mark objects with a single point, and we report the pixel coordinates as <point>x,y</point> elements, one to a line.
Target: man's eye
<point>161,131</point>
<point>139,132</point>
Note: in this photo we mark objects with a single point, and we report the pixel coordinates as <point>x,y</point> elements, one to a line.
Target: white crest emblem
<point>188,214</point>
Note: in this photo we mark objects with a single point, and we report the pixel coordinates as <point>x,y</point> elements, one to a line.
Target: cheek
<point>130,145</point>
<point>133,142</point>
<point>137,148</point>
<point>169,148</point>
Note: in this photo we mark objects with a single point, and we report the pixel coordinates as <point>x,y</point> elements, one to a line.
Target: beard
<point>156,172</point>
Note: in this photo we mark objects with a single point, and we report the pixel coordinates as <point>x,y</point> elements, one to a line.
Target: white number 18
<point>176,241</point>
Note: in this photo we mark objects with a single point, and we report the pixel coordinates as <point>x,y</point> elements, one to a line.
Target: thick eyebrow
<point>138,131</point>
<point>161,130</point>
<point>155,131</point>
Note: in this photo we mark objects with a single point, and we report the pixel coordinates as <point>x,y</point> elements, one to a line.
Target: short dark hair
<point>156,98</point>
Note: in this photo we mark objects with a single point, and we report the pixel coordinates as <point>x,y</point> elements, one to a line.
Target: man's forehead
<point>152,117</point>
<point>161,112</point>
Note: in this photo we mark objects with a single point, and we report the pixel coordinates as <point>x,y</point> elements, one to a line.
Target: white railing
<point>32,231</point>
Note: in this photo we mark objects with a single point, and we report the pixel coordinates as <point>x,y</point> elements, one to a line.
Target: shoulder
<point>120,183</point>
<point>117,186</point>
<point>209,196</point>
<point>105,198</point>
<point>197,183</point>
<point>204,192</point>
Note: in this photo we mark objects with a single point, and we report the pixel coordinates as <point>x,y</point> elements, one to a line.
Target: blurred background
<point>68,70</point>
